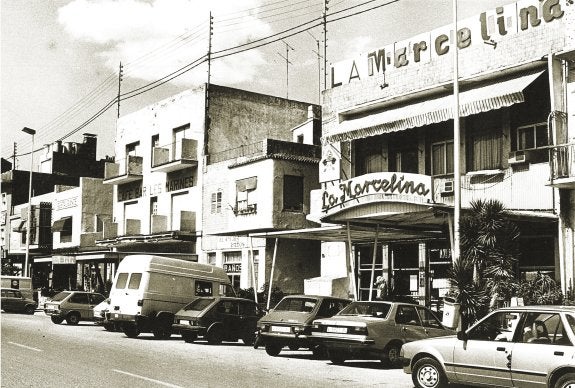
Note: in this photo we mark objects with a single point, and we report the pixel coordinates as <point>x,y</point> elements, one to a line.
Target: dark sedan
<point>14,301</point>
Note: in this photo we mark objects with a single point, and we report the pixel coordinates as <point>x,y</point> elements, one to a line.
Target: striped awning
<point>480,99</point>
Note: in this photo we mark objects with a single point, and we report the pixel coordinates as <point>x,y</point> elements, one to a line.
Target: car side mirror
<point>462,336</point>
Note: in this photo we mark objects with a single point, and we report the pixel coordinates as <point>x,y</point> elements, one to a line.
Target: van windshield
<point>199,304</point>
<point>60,296</point>
<point>122,280</point>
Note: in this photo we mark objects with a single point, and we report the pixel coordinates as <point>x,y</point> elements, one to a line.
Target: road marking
<point>147,379</point>
<point>26,347</point>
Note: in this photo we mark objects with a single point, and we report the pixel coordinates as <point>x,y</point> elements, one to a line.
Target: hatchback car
<point>528,346</point>
<point>14,302</point>
<point>218,319</point>
<point>289,323</point>
<point>73,306</point>
<point>375,330</point>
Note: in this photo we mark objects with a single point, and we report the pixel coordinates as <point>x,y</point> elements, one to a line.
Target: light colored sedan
<point>530,346</point>
<point>375,330</point>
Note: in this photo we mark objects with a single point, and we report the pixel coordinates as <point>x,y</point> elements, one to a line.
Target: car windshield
<point>60,296</point>
<point>374,309</point>
<point>301,305</point>
<point>199,304</point>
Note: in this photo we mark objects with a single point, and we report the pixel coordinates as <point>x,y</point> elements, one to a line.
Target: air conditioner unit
<point>516,157</point>
<point>447,187</point>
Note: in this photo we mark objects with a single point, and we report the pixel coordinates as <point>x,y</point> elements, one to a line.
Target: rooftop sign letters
<point>489,28</point>
<point>389,186</point>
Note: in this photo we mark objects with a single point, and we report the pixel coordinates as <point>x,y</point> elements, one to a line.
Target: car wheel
<point>391,355</point>
<point>130,331</point>
<point>336,357</point>
<point>273,349</point>
<point>30,309</point>
<point>215,335</point>
<point>161,332</point>
<point>428,373</point>
<point>57,320</point>
<point>249,339</point>
<point>73,319</point>
<point>566,381</point>
<point>109,326</point>
<point>319,352</point>
<point>189,337</point>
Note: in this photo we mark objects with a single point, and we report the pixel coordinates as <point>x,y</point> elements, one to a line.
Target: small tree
<point>484,275</point>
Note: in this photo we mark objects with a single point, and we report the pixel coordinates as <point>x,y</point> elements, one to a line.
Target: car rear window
<point>302,305</point>
<point>199,304</point>
<point>60,296</point>
<point>373,309</point>
<point>122,280</point>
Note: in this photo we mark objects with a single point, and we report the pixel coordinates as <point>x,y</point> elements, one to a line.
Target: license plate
<point>339,330</point>
<point>281,329</point>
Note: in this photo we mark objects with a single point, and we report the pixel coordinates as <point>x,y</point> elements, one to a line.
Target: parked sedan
<point>73,306</point>
<point>529,346</point>
<point>14,301</point>
<point>289,323</point>
<point>218,319</point>
<point>375,330</point>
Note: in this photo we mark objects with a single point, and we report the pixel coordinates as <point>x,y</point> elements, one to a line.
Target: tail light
<point>140,302</point>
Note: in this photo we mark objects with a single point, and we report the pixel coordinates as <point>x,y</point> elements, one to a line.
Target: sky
<point>59,59</point>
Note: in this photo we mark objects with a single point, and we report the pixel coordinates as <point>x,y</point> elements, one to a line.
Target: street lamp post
<point>32,132</point>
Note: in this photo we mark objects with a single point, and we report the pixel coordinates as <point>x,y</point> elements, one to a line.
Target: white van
<point>22,283</point>
<point>148,290</point>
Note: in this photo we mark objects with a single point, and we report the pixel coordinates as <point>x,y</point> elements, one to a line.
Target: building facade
<point>388,147</point>
<point>195,173</point>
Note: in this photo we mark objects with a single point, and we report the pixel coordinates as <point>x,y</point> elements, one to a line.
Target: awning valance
<point>434,110</point>
<point>247,184</point>
<point>64,223</point>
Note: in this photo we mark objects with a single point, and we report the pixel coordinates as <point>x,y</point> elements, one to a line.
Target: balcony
<point>269,148</point>
<point>124,171</point>
<point>562,165</point>
<point>183,153</point>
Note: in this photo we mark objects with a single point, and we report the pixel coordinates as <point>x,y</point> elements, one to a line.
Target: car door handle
<point>557,353</point>
<point>500,349</point>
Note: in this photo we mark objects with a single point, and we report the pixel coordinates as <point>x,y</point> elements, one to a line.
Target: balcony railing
<point>124,170</point>
<point>175,156</point>
<point>562,165</point>
<point>270,148</point>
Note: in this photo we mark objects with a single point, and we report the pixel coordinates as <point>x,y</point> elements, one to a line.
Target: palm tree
<point>489,251</point>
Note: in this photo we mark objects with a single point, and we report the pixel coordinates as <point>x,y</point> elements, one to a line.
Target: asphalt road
<point>37,353</point>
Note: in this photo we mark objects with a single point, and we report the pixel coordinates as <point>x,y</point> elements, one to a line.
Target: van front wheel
<point>161,332</point>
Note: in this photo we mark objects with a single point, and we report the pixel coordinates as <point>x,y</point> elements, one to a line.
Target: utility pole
<point>120,74</point>
<point>207,93</point>
<point>288,48</point>
<point>325,9</point>
<point>318,54</point>
<point>14,156</point>
<point>456,141</point>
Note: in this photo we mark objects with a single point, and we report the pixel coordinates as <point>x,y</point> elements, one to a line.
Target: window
<point>300,139</point>
<point>66,231</point>
<point>98,223</point>
<point>178,135</point>
<point>293,193</point>
<point>79,298</point>
<point>497,327</point>
<point>132,149</point>
<point>442,158</point>
<point>96,299</point>
<point>428,319</point>
<point>232,266</point>
<point>246,196</point>
<point>404,160</point>
<point>216,202</point>
<point>531,136</point>
<point>121,280</point>
<point>135,281</point>
<point>155,143</point>
<point>406,315</point>
<point>203,288</point>
<point>369,156</point>
<point>485,142</point>
<point>212,258</point>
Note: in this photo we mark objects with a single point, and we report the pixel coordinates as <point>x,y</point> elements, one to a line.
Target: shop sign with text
<point>232,267</point>
<point>136,190</point>
<point>381,186</point>
<point>488,28</point>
